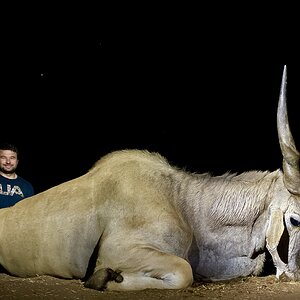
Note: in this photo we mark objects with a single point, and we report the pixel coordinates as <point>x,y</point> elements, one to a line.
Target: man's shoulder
<point>22,180</point>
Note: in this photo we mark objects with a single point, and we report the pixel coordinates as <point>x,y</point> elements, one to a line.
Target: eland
<point>134,221</point>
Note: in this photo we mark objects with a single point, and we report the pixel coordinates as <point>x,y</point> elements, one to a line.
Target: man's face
<point>8,161</point>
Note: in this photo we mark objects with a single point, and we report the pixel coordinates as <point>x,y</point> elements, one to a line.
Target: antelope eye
<point>295,222</point>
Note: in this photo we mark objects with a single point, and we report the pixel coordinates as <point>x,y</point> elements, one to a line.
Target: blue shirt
<point>14,190</point>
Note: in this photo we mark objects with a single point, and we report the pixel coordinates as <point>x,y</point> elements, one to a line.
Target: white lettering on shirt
<point>10,191</point>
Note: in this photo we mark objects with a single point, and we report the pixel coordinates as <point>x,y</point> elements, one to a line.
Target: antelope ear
<point>289,152</point>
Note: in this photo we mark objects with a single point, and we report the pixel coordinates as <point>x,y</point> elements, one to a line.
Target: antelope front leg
<point>274,232</point>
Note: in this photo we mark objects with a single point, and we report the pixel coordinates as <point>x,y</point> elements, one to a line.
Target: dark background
<point>196,84</point>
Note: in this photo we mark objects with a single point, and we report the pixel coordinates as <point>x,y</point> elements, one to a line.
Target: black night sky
<point>78,83</point>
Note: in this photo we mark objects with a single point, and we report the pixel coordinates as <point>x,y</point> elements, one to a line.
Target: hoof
<point>98,281</point>
<point>115,275</point>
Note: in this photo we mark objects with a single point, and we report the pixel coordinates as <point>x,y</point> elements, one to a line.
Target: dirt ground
<point>45,287</point>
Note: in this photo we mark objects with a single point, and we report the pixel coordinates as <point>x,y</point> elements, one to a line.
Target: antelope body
<point>133,222</point>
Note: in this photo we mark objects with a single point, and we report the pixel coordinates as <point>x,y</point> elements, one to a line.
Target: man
<point>13,188</point>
